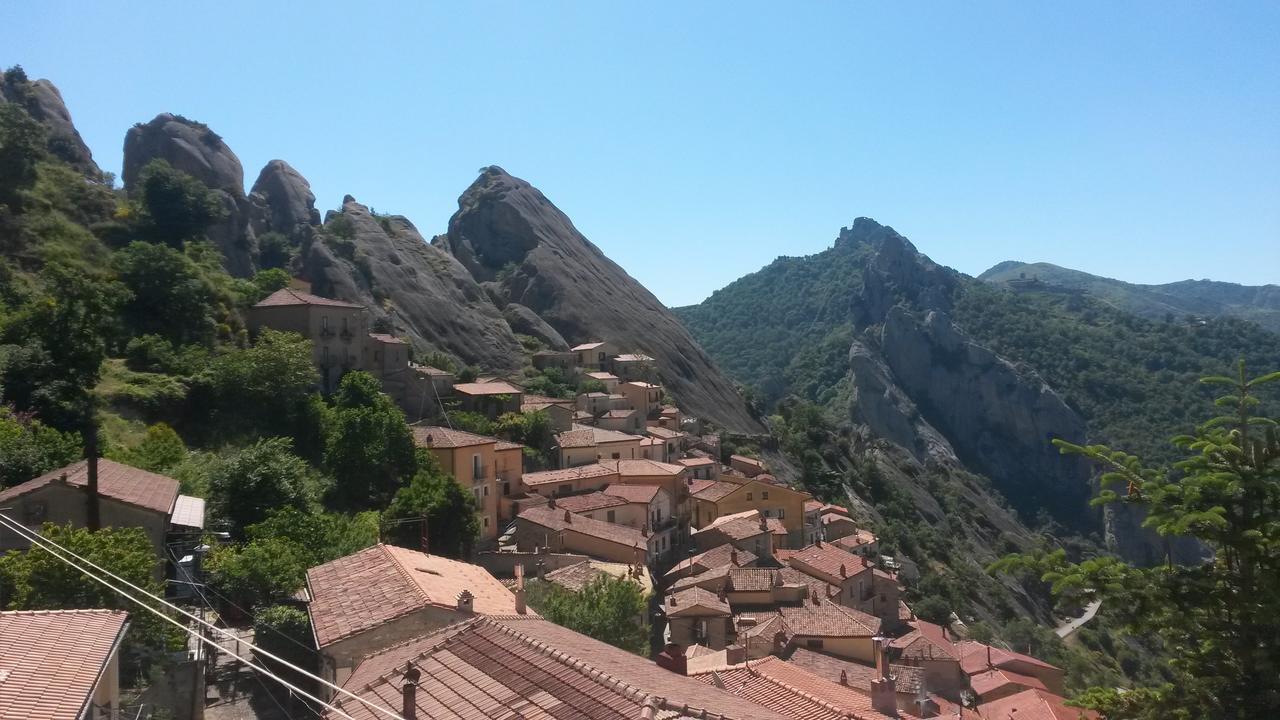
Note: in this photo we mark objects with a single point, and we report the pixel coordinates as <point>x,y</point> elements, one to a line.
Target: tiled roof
<point>907,678</point>
<point>827,559</point>
<point>554,519</point>
<point>927,641</point>
<point>427,369</point>
<point>532,398</point>
<point>289,296</point>
<point>578,437</point>
<point>830,518</point>
<point>576,576</point>
<point>587,346</point>
<point>582,472</point>
<point>619,414</point>
<point>792,690</point>
<point>435,436</point>
<point>530,668</point>
<point>1032,705</point>
<point>715,491</point>
<point>696,461</point>
<point>643,468</point>
<point>634,493</point>
<point>996,679</point>
<point>835,508</point>
<point>188,512</point>
<point>487,388</point>
<point>120,482</point>
<point>696,486</point>
<point>386,339</point>
<point>602,376</point>
<point>717,556</point>
<point>974,657</point>
<point>760,625</point>
<point>680,603</point>
<point>812,506</point>
<point>734,528</point>
<point>587,502</point>
<point>828,619</point>
<point>51,660</point>
<point>744,460</point>
<point>633,357</point>
<point>754,579</point>
<point>776,526</point>
<point>380,583</point>
<point>660,432</point>
<point>711,579</point>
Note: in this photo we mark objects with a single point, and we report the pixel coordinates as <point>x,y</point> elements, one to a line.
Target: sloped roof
<point>633,493</point>
<point>363,590</point>
<point>926,641</point>
<point>582,472</point>
<point>188,512</point>
<point>792,690</point>
<point>1032,705</point>
<point>633,357</point>
<point>117,481</point>
<point>691,462</point>
<point>717,556</point>
<point>828,619</point>
<point>907,678</point>
<point>576,576</point>
<point>496,387</point>
<point>686,601</point>
<point>288,296</point>
<point>588,345</point>
<point>554,519</point>
<point>587,502</point>
<point>715,490</point>
<point>827,559</point>
<point>435,436</point>
<point>974,657</point>
<point>386,339</point>
<point>51,660</point>
<point>528,667</point>
<point>739,526</point>
<point>643,468</point>
<point>994,679</point>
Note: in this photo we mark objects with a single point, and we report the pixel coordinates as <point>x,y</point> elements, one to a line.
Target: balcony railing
<point>480,472</point>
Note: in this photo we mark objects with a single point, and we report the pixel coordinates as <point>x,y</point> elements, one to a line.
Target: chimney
<point>465,601</point>
<point>733,557</point>
<point>779,642</point>
<point>519,591</point>
<point>672,658</point>
<point>884,696</point>
<point>542,570</point>
<point>568,517</point>
<point>844,678</point>
<point>844,572</point>
<point>551,502</point>
<point>409,710</point>
<point>735,654</point>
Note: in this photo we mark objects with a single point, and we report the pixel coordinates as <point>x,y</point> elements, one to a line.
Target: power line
<point>45,544</point>
<point>22,530</point>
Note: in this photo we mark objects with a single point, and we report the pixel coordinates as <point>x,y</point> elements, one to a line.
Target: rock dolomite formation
<point>281,201</point>
<point>509,236</point>
<point>43,102</point>
<point>198,151</point>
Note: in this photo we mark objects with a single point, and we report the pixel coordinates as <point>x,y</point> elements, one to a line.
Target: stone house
<point>594,355</point>
<point>931,648</point>
<point>559,412</point>
<point>491,399</point>
<point>376,598</point>
<point>626,420</point>
<point>700,468</point>
<point>776,502</point>
<point>568,481</point>
<point>643,396</point>
<point>487,467</point>
<point>672,441</point>
<point>584,444</point>
<point>861,585</point>
<point>61,664</point>
<point>634,366</point>
<point>698,617</point>
<point>559,530</point>
<point>127,497</point>
<point>749,467</point>
<point>608,379</point>
<point>745,531</point>
<point>562,359</point>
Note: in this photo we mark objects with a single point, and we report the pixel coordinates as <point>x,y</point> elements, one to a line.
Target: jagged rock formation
<point>281,201</point>
<point>526,322</point>
<point>41,100</point>
<point>507,233</point>
<point>412,289</point>
<point>198,151</point>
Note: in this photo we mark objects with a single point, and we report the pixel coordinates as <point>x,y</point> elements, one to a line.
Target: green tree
<point>38,580</point>
<point>285,632</point>
<point>160,450</point>
<point>265,390</point>
<point>270,280</point>
<point>263,477</point>
<point>29,448</point>
<point>22,146</point>
<point>169,297</point>
<point>1219,621</point>
<point>274,250</point>
<point>609,609</point>
<point>175,206</point>
<point>452,523</point>
<point>369,449</point>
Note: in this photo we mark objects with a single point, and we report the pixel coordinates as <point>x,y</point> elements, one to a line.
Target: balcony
<point>479,472</point>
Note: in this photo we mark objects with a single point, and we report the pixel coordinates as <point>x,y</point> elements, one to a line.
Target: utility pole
<point>91,461</point>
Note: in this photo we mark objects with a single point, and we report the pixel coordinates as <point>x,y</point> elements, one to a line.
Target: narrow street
<point>1065,629</point>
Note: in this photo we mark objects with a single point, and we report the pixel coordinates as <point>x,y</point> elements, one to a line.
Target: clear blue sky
<point>695,142</point>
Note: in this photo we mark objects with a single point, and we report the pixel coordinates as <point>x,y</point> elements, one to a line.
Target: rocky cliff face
<point>198,151</point>
<point>509,236</point>
<point>922,383</point>
<point>43,102</point>
<point>281,201</point>
<point>411,288</point>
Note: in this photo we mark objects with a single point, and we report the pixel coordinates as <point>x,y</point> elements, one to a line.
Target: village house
<point>698,617</point>
<point>559,412</point>
<point>373,599</point>
<point>559,530</point>
<point>670,417</point>
<point>820,624</point>
<point>931,648</point>
<point>583,445</point>
<point>725,555</point>
<point>562,359</point>
<point>567,481</point>
<point>651,448</point>
<point>700,468</point>
<point>61,664</point>
<point>862,542</point>
<point>1033,703</point>
<point>577,576</point>
<point>127,497</point>
<point>772,501</point>
<point>672,441</point>
<point>861,585</point>
<point>812,522</point>
<point>749,467</point>
<point>745,531</point>
<point>667,476</point>
<point>491,399</point>
<point>504,667</point>
<point>643,396</point>
<point>634,366</point>
<point>487,467</point>
<point>995,673</point>
<point>594,355</point>
<point>912,694</point>
<point>608,379</point>
<point>797,693</point>
<point>625,420</point>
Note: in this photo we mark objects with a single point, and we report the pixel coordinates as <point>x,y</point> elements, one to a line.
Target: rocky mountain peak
<point>41,100</point>
<point>195,149</point>
<point>282,201</point>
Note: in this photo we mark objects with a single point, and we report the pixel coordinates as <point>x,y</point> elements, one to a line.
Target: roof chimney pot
<point>409,709</point>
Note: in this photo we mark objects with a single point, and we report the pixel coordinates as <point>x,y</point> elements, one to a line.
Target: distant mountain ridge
<point>1203,298</point>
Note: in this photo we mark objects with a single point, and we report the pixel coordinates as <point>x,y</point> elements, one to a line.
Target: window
<point>764,495</point>
<point>813,643</point>
<point>564,489</point>
<point>324,322</point>
<point>782,514</point>
<point>477,468</point>
<point>617,456</point>
<point>344,325</point>
<point>486,522</point>
<point>612,516</point>
<point>749,496</point>
<point>486,491</point>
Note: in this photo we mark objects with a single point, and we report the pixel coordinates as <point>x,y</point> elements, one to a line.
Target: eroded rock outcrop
<point>41,100</point>
<point>193,148</point>
<point>281,201</point>
<point>412,289</point>
<point>508,233</point>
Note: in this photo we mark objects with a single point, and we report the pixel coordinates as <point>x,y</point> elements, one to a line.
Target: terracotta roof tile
<point>686,600</point>
<point>974,657</point>
<point>696,461</point>
<point>553,519</point>
<point>587,346</point>
<point>717,556</point>
<point>587,502</point>
<point>696,486</point>
<point>715,490</point>
<point>643,468</point>
<point>363,590</point>
<point>576,576</point>
<point>926,641</point>
<point>582,472</point>
<point>117,481</point>
<point>792,690</point>
<point>907,678</point>
<point>828,619</point>
<point>435,436</point>
<point>386,339</point>
<point>289,296</point>
<point>1032,705</point>
<point>634,493</point>
<point>50,660</point>
<point>487,388</point>
<point>530,668</point>
<point>828,561</point>
<point>994,679</point>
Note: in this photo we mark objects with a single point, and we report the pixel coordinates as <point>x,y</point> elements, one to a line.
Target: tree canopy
<point>369,449</point>
<point>609,609</point>
<point>452,524</point>
<point>264,477</point>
